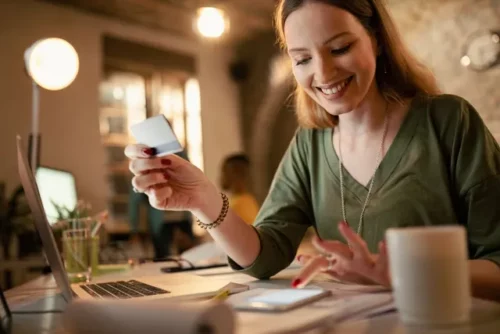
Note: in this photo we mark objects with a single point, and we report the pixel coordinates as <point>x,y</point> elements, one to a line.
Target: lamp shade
<point>52,63</point>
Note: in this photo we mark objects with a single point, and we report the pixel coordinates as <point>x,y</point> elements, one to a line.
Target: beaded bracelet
<point>222,215</point>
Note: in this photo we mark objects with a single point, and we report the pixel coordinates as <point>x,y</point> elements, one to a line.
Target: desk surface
<point>485,315</point>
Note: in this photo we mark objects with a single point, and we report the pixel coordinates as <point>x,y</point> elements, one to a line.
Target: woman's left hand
<point>349,263</point>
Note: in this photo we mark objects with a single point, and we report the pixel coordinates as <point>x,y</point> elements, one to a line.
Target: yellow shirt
<point>245,206</point>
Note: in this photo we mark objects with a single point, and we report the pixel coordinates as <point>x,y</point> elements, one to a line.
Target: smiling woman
<point>378,148</point>
<point>360,43</point>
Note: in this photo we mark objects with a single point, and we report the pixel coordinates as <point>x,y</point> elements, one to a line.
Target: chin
<point>337,110</point>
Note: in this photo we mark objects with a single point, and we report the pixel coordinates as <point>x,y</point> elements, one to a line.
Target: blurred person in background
<point>235,181</point>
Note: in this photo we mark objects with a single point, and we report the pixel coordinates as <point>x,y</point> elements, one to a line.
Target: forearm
<point>485,279</point>
<point>238,239</point>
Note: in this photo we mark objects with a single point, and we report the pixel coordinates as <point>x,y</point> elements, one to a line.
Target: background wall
<point>436,30</point>
<point>69,118</point>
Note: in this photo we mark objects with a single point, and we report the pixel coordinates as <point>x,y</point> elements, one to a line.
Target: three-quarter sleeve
<point>285,214</point>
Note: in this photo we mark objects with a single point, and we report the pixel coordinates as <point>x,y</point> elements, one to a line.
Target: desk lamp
<point>52,63</point>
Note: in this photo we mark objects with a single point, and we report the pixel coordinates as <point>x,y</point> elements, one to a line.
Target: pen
<point>221,295</point>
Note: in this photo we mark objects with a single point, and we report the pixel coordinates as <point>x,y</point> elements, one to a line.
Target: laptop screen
<point>41,223</point>
<point>55,187</point>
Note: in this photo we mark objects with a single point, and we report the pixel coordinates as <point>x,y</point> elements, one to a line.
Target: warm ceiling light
<point>211,22</point>
<point>52,63</point>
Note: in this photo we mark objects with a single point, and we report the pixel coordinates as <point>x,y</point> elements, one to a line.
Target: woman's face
<point>333,56</point>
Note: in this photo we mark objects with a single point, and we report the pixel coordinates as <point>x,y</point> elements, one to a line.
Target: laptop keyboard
<point>122,289</point>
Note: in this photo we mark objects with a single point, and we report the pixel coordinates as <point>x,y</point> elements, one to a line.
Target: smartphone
<point>281,300</point>
<point>182,269</point>
<point>156,132</point>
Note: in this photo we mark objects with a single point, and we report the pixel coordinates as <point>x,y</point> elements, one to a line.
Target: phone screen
<point>285,296</point>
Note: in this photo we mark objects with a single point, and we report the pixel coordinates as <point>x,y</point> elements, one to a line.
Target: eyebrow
<point>325,42</point>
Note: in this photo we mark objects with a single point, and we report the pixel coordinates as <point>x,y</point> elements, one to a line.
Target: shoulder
<point>248,200</point>
<point>302,151</point>
<point>307,139</point>
<point>453,113</point>
<point>448,106</point>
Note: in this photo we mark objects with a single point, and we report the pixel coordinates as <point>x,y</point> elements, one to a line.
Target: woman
<point>378,147</point>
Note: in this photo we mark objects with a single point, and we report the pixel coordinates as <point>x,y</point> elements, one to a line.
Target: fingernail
<point>296,282</point>
<point>165,176</point>
<point>343,224</point>
<point>298,257</point>
<point>149,151</point>
<point>166,162</point>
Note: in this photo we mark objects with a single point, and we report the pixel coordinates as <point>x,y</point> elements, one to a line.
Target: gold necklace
<point>379,160</point>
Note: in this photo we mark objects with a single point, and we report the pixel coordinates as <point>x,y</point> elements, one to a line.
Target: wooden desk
<point>485,315</point>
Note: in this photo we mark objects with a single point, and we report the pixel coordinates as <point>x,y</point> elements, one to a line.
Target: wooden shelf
<point>116,140</point>
<point>113,111</point>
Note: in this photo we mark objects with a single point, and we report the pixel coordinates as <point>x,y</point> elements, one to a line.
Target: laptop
<point>180,285</point>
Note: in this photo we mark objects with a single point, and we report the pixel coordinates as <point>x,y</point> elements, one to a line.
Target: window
<point>128,97</point>
<point>193,120</point>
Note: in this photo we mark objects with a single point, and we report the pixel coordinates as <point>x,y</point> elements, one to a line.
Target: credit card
<point>156,132</point>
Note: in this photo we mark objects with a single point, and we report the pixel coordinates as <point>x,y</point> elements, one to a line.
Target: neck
<point>367,118</point>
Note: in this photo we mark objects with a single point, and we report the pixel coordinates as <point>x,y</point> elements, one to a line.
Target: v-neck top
<point>442,168</point>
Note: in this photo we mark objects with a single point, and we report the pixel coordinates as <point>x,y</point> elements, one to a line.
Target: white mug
<point>430,274</point>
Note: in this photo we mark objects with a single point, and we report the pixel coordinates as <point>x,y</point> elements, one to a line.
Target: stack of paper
<point>343,305</point>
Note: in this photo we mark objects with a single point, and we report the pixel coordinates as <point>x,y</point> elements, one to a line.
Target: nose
<point>325,69</point>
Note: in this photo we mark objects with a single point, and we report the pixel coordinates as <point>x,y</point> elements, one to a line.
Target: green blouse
<point>443,167</point>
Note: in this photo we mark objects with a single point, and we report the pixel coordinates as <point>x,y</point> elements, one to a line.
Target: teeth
<point>334,90</point>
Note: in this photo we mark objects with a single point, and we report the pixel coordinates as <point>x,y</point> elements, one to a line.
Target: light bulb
<point>211,22</point>
<point>52,63</point>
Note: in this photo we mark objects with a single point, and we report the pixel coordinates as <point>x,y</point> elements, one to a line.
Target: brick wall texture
<point>436,30</point>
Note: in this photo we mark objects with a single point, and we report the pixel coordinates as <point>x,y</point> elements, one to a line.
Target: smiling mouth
<point>335,88</point>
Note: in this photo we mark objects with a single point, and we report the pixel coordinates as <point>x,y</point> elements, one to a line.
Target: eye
<point>341,51</point>
<point>302,61</point>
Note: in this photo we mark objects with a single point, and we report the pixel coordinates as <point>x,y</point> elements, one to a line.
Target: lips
<point>336,89</point>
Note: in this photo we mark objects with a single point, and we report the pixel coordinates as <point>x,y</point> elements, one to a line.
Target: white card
<point>155,132</point>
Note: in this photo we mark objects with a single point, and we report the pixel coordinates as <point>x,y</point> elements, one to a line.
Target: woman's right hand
<point>171,183</point>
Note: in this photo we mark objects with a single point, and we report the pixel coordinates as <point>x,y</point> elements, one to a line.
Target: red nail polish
<point>165,176</point>
<point>166,162</point>
<point>298,257</point>
<point>149,151</point>
<point>296,282</point>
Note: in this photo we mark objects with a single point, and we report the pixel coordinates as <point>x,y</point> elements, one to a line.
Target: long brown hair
<point>398,74</point>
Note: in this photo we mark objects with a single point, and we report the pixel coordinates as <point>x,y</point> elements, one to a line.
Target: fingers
<point>382,257</point>
<point>356,243</point>
<point>141,166</point>
<point>302,259</point>
<point>143,182</point>
<point>382,265</point>
<point>332,247</point>
<point>314,266</point>
<point>139,151</point>
<point>158,196</point>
